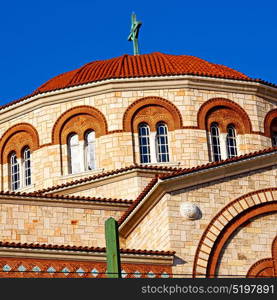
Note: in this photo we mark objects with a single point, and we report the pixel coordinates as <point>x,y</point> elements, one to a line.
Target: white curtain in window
<point>90,150</point>
<point>74,154</point>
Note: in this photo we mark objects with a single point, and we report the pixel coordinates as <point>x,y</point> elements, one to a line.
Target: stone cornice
<point>109,176</point>
<point>150,83</point>
<point>88,256</point>
<point>182,181</point>
<point>62,202</point>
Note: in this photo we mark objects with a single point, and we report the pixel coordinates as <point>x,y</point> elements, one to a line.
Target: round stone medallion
<point>190,211</point>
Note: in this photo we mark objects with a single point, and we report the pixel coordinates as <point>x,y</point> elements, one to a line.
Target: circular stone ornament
<point>190,211</point>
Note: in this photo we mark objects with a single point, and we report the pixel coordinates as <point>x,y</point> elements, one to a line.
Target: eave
<point>27,104</point>
<point>194,178</point>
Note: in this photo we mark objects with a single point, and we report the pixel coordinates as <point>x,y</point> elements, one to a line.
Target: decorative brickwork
<point>224,112</point>
<point>56,268</point>
<point>151,110</point>
<point>16,138</point>
<point>266,267</point>
<point>78,120</point>
<point>225,223</point>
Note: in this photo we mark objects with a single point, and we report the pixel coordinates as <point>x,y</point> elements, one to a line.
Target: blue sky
<point>41,39</point>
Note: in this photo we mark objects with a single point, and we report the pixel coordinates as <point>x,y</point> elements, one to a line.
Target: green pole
<point>112,249</point>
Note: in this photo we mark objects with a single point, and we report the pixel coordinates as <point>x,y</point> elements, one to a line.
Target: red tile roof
<point>82,248</point>
<point>133,66</point>
<point>188,171</point>
<point>67,197</point>
<point>139,199</point>
<point>159,169</point>
<point>219,163</point>
<point>130,66</point>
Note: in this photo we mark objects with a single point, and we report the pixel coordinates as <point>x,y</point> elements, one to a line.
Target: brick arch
<point>78,119</point>
<point>268,121</point>
<point>225,112</point>
<point>266,267</point>
<point>225,223</point>
<point>16,138</point>
<point>152,110</point>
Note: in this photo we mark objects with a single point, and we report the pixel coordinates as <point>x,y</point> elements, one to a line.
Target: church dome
<point>145,65</point>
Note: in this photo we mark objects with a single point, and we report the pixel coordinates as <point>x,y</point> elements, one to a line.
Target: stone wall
<point>128,188</point>
<point>184,235</point>
<point>153,231</point>
<point>115,150</point>
<point>250,243</point>
<point>54,225</point>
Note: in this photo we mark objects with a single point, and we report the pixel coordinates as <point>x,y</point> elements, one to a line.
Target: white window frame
<point>159,153</point>
<point>89,145</point>
<point>231,138</point>
<point>219,141</point>
<point>153,145</point>
<point>27,180</point>
<point>74,161</point>
<point>14,162</point>
<point>149,145</point>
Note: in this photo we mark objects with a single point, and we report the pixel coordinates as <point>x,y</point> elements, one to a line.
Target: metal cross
<point>133,36</point>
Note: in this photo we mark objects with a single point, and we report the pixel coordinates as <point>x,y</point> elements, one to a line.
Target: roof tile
<point>187,171</point>
<point>82,248</point>
<point>69,197</point>
<point>134,66</point>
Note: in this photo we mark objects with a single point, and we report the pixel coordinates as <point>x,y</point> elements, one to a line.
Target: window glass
<point>74,154</point>
<point>27,166</point>
<point>231,141</point>
<point>162,143</point>
<point>89,150</point>
<point>215,142</point>
<point>144,143</point>
<point>274,139</point>
<point>14,172</point>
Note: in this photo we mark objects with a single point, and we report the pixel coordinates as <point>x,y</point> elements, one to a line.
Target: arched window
<point>144,143</point>
<point>274,139</point>
<point>14,172</point>
<point>89,150</point>
<point>215,142</point>
<point>273,131</point>
<point>73,154</point>
<point>231,141</point>
<point>162,143</point>
<point>26,163</point>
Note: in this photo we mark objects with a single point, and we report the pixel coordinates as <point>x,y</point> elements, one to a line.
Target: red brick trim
<point>66,197</point>
<point>262,268</point>
<point>267,266</point>
<point>274,255</point>
<point>74,268</point>
<point>83,248</point>
<point>16,138</point>
<point>146,190</point>
<point>79,119</point>
<point>181,172</point>
<point>231,217</point>
<point>270,116</point>
<point>221,103</point>
<point>168,113</point>
<point>158,169</point>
